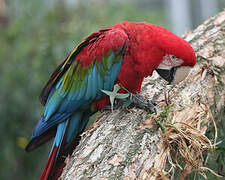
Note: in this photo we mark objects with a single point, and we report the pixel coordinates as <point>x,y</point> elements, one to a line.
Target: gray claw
<point>143,103</point>
<point>138,101</point>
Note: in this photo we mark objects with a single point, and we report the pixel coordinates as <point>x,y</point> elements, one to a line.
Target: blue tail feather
<point>77,123</point>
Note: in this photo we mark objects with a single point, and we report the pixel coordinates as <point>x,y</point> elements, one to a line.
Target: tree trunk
<point>128,144</point>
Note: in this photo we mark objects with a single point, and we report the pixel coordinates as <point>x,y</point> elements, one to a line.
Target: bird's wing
<point>92,66</point>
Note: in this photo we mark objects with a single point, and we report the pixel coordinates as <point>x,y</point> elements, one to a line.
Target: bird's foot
<point>141,102</point>
<point>119,99</point>
<point>117,104</point>
<point>134,100</point>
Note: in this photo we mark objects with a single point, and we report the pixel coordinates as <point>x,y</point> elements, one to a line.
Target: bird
<point>123,54</point>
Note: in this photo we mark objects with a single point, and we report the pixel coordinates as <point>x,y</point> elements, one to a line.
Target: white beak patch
<point>181,73</point>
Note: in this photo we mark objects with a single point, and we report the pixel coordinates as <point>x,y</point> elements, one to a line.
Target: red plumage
<point>144,48</point>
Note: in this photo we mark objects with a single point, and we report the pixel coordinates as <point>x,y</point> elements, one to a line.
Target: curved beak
<point>167,74</point>
<point>175,74</point>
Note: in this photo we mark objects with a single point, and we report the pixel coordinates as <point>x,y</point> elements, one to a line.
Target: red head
<point>174,45</point>
<point>179,58</point>
<point>156,48</point>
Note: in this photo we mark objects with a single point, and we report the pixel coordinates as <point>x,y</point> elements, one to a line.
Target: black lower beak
<point>168,75</point>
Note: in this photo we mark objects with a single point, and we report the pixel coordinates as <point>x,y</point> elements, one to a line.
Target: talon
<point>138,101</point>
<point>155,110</point>
<point>143,103</point>
<point>152,107</point>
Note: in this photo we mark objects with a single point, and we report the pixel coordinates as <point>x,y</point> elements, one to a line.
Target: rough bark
<point>127,144</point>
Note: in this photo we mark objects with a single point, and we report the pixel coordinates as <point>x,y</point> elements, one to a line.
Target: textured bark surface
<point>127,144</point>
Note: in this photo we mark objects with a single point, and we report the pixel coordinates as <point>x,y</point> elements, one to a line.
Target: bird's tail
<point>46,173</point>
<point>66,139</point>
<point>56,147</point>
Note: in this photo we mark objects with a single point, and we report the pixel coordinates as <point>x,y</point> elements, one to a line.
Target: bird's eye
<point>172,56</point>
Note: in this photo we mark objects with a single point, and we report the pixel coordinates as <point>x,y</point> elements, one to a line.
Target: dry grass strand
<point>185,139</point>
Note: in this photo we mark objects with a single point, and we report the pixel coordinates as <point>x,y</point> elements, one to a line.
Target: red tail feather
<point>49,165</point>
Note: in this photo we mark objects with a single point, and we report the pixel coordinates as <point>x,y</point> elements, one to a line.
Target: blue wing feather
<point>94,82</point>
<point>61,129</point>
<point>64,111</point>
<point>89,92</point>
<point>52,105</point>
<point>72,88</point>
<point>77,88</point>
<point>60,105</point>
<point>99,83</point>
<point>74,126</point>
<point>83,89</point>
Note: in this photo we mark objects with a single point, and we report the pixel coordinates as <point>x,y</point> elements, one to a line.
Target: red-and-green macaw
<point>122,54</point>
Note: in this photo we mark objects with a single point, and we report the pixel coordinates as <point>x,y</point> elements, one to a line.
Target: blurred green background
<point>35,36</point>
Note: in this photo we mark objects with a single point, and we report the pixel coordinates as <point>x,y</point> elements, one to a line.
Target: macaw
<point>124,54</point>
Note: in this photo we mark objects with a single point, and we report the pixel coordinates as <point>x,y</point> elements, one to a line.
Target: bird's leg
<point>141,102</point>
<point>117,104</point>
<point>134,100</point>
<point>128,99</point>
